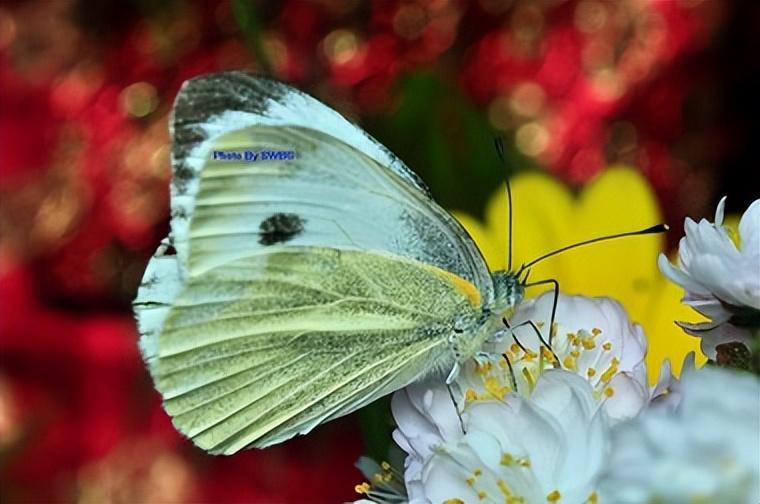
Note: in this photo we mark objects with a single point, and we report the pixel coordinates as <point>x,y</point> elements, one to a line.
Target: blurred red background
<point>665,86</point>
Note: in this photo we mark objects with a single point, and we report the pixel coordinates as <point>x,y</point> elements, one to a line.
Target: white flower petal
<point>447,478</point>
<point>709,306</point>
<point>712,335</point>
<point>521,447</point>
<point>629,397</point>
<point>720,211</point>
<point>667,392</point>
<point>704,450</point>
<point>677,276</point>
<point>721,280</point>
<point>749,227</point>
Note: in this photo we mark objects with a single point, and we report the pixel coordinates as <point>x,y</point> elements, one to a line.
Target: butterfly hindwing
<point>268,346</point>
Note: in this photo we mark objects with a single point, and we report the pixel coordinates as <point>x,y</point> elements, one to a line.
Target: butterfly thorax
<point>508,292</point>
<point>474,331</point>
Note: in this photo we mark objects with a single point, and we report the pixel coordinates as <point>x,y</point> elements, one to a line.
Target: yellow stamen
<point>507,459</point>
<point>504,488</point>
<point>596,331</point>
<point>495,388</point>
<point>547,355</point>
<point>470,395</point>
<point>607,346</point>
<point>609,391</point>
<point>554,496</point>
<point>453,501</point>
<point>484,368</point>
<point>529,378</point>
<point>569,363</point>
<point>610,372</point>
<point>593,498</point>
<point>470,481</point>
<point>524,462</point>
<point>364,488</point>
<point>590,372</point>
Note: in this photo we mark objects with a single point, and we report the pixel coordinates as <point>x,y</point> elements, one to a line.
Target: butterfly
<point>295,289</point>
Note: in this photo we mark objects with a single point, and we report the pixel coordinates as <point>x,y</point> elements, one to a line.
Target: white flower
<point>528,429</point>
<point>549,448</point>
<point>706,450</point>
<point>721,280</point>
<point>592,337</point>
<point>425,417</point>
<point>667,391</point>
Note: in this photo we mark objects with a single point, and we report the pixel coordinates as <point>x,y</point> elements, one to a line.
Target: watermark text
<point>253,156</point>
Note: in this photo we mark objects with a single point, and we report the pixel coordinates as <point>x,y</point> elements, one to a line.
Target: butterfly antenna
<point>659,228</point>
<point>499,145</point>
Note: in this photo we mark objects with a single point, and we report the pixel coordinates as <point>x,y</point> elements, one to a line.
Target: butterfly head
<point>508,291</point>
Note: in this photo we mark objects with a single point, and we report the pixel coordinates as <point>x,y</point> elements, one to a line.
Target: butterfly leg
<point>555,283</point>
<point>540,338</point>
<point>454,373</point>
<point>483,358</point>
<point>499,336</point>
<point>510,331</point>
<point>456,408</point>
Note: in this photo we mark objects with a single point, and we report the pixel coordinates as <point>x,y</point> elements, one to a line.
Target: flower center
<point>585,352</point>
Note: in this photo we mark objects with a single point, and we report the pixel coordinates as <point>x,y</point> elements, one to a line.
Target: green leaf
<point>447,140</point>
<point>247,19</point>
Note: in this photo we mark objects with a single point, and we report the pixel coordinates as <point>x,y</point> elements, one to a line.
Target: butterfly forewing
<point>342,190</point>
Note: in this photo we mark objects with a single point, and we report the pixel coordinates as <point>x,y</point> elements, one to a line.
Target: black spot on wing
<point>280,228</point>
<point>208,96</point>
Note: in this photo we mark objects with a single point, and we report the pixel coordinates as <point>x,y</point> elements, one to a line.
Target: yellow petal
<point>732,223</point>
<point>541,206</point>
<point>619,200</point>
<point>665,338</point>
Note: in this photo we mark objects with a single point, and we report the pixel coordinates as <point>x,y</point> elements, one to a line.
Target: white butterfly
<point>294,291</point>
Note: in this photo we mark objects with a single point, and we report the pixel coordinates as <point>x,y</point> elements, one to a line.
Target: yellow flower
<point>547,216</point>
